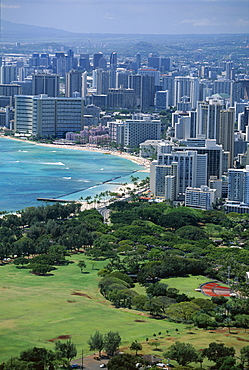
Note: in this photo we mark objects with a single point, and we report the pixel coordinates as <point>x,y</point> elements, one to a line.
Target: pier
<point>55,200</point>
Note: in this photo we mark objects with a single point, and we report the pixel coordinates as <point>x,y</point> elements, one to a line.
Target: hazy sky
<point>132,16</point>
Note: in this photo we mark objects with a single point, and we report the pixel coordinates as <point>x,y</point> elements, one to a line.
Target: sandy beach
<point>91,148</point>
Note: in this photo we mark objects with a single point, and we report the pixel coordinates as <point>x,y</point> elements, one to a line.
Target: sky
<point>132,16</point>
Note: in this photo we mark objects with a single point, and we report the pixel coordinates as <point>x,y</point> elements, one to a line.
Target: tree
<point>135,346</point>
<point>217,350</point>
<point>41,269</point>
<point>96,342</point>
<point>139,301</point>
<point>66,350</point>
<point>37,358</point>
<point>21,261</point>
<point>203,320</point>
<point>82,265</point>
<point>183,311</point>
<point>244,352</point>
<point>15,364</point>
<point>242,321</point>
<point>112,342</point>
<point>183,353</point>
<point>123,362</point>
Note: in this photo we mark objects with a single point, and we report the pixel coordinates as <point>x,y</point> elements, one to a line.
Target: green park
<point>67,275</point>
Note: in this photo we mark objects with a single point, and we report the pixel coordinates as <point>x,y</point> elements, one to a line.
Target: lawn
<point>186,285</point>
<point>36,309</point>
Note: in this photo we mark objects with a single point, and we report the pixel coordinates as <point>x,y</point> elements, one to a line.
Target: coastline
<point>121,189</point>
<point>89,148</point>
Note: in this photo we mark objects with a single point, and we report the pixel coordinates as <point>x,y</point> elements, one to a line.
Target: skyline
<point>127,16</point>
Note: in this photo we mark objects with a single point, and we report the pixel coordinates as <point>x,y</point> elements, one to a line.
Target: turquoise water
<point>29,171</point>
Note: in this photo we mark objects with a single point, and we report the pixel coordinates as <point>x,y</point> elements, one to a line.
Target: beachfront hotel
<point>45,116</point>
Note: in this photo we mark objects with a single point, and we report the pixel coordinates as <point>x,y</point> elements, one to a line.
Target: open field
<point>36,309</point>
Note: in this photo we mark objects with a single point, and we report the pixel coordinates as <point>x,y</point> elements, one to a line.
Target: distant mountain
<point>17,32</point>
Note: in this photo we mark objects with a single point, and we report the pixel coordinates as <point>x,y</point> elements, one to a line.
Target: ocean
<point>29,171</point>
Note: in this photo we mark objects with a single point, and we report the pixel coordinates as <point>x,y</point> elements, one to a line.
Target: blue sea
<point>29,171</point>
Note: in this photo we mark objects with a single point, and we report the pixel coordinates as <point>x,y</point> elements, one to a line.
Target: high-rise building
<point>84,62</point>
<point>222,86</point>
<point>73,83</point>
<point>147,92</point>
<point>202,197</point>
<point>60,64</point>
<point>96,59</point>
<point>137,131</point>
<point>168,84</point>
<point>154,61</point>
<point>238,185</point>
<point>121,98</point>
<point>226,133</point>
<point>138,61</point>
<point>10,90</point>
<point>162,100</point>
<point>45,116</point>
<point>165,64</point>
<point>113,61</point>
<point>191,169</point>
<point>181,88</point>
<point>122,79</point>
<point>182,128</point>
<point>208,118</point>
<point>209,147</point>
<point>135,83</point>
<point>84,84</point>
<point>48,84</point>
<point>151,72</point>
<point>239,90</point>
<point>8,74</point>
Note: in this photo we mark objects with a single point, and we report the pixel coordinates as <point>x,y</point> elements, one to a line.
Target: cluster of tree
<point>223,357</point>
<point>109,342</point>
<point>44,263</point>
<point>42,359</point>
<point>185,354</point>
<point>49,233</point>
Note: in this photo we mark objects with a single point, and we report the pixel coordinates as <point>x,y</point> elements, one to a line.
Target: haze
<point>132,16</point>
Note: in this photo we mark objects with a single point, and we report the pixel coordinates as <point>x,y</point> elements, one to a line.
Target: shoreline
<point>87,147</point>
<point>123,189</point>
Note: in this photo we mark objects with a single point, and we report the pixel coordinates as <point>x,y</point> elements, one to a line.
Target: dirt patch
<point>71,301</point>
<point>81,294</point>
<point>64,337</point>
<point>139,321</point>
<point>242,340</point>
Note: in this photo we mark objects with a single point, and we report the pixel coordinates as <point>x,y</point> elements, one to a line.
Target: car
<point>102,365</point>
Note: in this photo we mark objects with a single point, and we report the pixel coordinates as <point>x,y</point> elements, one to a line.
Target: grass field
<point>36,309</point>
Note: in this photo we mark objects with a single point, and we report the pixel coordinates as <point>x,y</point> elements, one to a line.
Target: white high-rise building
<point>181,88</point>
<point>202,197</point>
<point>208,118</point>
<point>84,85</point>
<point>238,185</point>
<point>182,128</point>
<point>194,91</point>
<point>137,131</point>
<point>45,116</point>
<point>191,169</point>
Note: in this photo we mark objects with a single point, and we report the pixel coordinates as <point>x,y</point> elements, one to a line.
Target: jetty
<point>55,200</point>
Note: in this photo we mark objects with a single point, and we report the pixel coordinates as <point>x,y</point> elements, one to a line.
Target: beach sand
<point>91,148</point>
